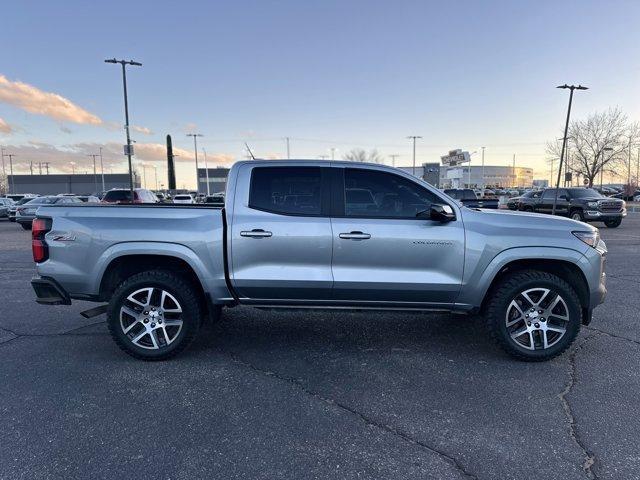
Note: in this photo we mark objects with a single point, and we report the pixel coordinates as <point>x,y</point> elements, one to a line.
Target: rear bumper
<point>49,292</point>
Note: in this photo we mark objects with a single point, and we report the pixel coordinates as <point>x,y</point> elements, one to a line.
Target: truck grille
<point>608,206</point>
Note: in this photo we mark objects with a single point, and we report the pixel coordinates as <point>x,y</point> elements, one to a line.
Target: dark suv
<point>583,204</point>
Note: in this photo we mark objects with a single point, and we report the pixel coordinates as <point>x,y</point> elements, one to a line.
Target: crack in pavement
<point>17,335</point>
<point>613,335</point>
<point>589,457</point>
<point>364,418</point>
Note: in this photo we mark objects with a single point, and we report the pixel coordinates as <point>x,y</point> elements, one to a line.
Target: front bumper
<point>49,292</point>
<point>602,216</point>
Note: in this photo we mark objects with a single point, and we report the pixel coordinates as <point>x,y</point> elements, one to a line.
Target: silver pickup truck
<point>314,234</point>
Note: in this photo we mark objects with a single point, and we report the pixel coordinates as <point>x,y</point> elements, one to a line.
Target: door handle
<point>355,236</point>
<point>255,233</point>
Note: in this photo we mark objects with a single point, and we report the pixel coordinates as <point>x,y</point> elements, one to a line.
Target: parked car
<point>183,198</point>
<point>16,197</point>
<point>468,198</point>
<point>5,204</point>
<point>288,237</point>
<point>514,203</point>
<point>88,198</point>
<point>216,200</point>
<point>123,196</point>
<point>582,204</point>
<point>27,212</point>
<point>13,208</point>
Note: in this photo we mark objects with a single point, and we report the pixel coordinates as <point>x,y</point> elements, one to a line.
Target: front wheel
<point>154,315</point>
<point>534,315</point>
<point>614,223</point>
<point>577,215</point>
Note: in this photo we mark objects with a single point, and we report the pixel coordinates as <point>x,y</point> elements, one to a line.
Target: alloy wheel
<point>537,318</point>
<point>151,318</point>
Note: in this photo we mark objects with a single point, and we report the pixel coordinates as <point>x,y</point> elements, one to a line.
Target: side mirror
<point>438,213</point>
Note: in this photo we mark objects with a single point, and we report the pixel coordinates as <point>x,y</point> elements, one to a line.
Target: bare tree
<point>360,155</point>
<point>599,143</point>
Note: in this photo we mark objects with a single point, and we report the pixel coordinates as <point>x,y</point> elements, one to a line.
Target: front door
<point>383,253</point>
<point>548,197</point>
<point>280,236</point>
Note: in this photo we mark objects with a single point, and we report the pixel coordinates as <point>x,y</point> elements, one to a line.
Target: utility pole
<point>333,153</point>
<point>155,168</point>
<point>4,169</point>
<point>129,148</point>
<point>482,193</point>
<point>31,166</point>
<point>144,174</point>
<point>102,169</point>
<point>195,150</point>
<point>206,169</point>
<point>46,166</point>
<point>564,139</point>
<point>288,151</point>
<point>393,159</point>
<point>514,171</point>
<point>13,180</point>
<point>73,167</point>
<point>629,167</point>
<point>95,174</point>
<point>414,137</point>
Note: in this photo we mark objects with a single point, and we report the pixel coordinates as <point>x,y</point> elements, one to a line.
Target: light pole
<point>195,150</point>
<point>393,159</point>
<point>564,139</point>
<point>333,153</point>
<point>470,155</point>
<point>482,193</point>
<point>13,181</point>
<point>101,169</point>
<point>155,169</point>
<point>95,175</point>
<point>288,151</point>
<point>129,148</point>
<point>414,137</point>
<point>605,149</point>
<point>206,169</point>
<point>73,167</point>
<point>513,173</point>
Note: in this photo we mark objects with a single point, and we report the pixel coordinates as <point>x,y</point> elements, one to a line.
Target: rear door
<point>281,237</point>
<point>382,252</point>
<point>545,204</point>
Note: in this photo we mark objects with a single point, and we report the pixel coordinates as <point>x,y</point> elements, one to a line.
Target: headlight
<point>592,204</point>
<point>590,238</point>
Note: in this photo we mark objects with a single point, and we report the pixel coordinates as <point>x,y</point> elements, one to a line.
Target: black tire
<point>576,215</point>
<point>527,208</point>
<point>26,226</point>
<point>615,223</point>
<point>499,304</point>
<point>187,299</point>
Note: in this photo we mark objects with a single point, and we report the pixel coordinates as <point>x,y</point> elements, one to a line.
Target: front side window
<point>371,193</point>
<point>286,190</point>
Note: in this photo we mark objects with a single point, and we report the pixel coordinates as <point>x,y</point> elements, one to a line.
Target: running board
<point>94,312</point>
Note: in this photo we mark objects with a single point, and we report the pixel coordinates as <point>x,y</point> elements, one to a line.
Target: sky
<point>331,74</point>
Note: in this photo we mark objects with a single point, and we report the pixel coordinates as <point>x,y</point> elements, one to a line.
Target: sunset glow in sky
<point>332,74</point>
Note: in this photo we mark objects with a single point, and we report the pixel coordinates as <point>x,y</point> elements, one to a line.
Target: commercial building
<point>217,180</point>
<point>458,177</point>
<point>79,183</point>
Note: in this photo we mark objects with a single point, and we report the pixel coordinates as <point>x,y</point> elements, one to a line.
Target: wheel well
<point>568,271</point>
<point>123,267</point>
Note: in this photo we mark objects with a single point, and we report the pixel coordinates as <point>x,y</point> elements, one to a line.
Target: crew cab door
<point>382,252</point>
<point>280,236</point>
<point>547,199</point>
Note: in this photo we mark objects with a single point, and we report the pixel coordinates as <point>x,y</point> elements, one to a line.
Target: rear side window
<point>117,196</point>
<point>370,193</point>
<point>286,190</point>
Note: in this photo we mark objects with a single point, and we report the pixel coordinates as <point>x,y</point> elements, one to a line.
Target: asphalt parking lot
<point>317,395</point>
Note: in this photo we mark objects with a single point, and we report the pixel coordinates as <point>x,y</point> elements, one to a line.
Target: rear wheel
<point>613,223</point>
<point>534,315</point>
<point>154,315</point>
<point>26,226</point>
<point>527,208</point>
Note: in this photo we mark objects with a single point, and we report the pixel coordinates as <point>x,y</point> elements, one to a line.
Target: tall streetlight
<point>128,149</point>
<point>73,167</point>
<point>470,155</point>
<point>333,153</point>
<point>95,175</point>
<point>393,159</point>
<point>605,149</point>
<point>102,169</point>
<point>414,137</point>
<point>206,169</point>
<point>195,150</point>
<point>288,150</point>
<point>155,169</point>
<point>12,180</point>
<point>482,193</point>
<point>564,139</point>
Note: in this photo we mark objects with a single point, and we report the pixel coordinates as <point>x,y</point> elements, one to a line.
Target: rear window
<point>42,201</point>
<point>117,196</point>
<point>286,190</point>
<point>182,197</point>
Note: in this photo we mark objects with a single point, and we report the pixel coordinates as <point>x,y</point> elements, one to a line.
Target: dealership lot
<point>317,395</point>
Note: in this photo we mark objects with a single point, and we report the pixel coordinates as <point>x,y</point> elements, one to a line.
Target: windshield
<point>585,193</point>
<point>42,201</point>
<point>117,196</point>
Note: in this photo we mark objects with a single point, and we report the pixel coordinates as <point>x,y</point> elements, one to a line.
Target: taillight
<point>39,228</point>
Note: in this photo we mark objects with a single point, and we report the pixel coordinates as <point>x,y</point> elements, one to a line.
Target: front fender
<point>478,283</point>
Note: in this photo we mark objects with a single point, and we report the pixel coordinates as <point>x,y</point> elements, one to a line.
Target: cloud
<point>65,129</point>
<point>143,130</point>
<point>5,127</point>
<point>33,100</point>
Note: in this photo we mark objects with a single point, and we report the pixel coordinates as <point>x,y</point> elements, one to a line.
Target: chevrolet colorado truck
<point>582,204</point>
<point>320,234</point>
